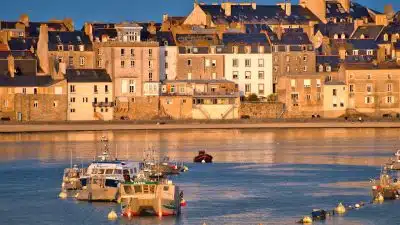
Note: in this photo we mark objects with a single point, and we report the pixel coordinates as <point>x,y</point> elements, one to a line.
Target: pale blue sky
<point>120,10</point>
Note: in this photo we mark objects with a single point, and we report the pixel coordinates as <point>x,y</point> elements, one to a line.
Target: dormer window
<point>304,48</point>
<point>195,50</point>
<point>355,52</point>
<point>343,36</point>
<point>247,49</point>
<point>212,49</point>
<point>386,37</point>
<point>362,36</point>
<point>235,49</point>
<point>165,43</point>
<point>261,49</point>
<point>328,68</point>
<point>188,50</point>
<point>321,68</point>
<point>60,47</point>
<point>81,48</point>
<point>70,48</point>
<point>335,36</point>
<point>370,52</point>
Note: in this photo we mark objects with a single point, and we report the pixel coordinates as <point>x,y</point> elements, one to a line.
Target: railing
<point>103,104</point>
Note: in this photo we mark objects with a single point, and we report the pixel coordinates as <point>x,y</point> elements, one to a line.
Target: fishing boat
<point>386,187</point>
<point>202,157</point>
<point>157,198</point>
<point>100,183</point>
<point>71,178</point>
<point>395,163</point>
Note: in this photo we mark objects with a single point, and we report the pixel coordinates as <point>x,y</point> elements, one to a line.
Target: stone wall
<point>138,108</point>
<point>261,110</point>
<point>176,107</point>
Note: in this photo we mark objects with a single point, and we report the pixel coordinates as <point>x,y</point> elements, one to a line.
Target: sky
<point>122,10</point>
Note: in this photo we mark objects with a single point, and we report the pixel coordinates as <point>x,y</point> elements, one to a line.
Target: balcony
<point>103,104</point>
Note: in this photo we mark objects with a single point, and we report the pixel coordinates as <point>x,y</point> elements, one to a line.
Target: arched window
<point>343,36</point>
<point>321,68</point>
<point>335,36</point>
<point>385,37</point>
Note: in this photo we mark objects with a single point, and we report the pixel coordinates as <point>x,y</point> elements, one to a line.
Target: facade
<point>248,63</point>
<point>335,99</point>
<point>373,90</point>
<point>90,94</point>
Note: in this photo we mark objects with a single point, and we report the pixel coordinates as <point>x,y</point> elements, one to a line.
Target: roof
<point>4,47</point>
<point>248,39</point>
<point>261,14</point>
<point>26,81</point>
<point>197,39</point>
<point>369,32</point>
<point>20,44</point>
<point>75,38</point>
<point>165,38</point>
<point>87,75</point>
<point>371,66</point>
<point>358,11</point>
<point>34,27</point>
<point>295,38</point>
<point>365,44</point>
<point>110,32</point>
<point>332,60</point>
<point>199,81</point>
<point>392,28</point>
<point>336,10</point>
<point>330,29</point>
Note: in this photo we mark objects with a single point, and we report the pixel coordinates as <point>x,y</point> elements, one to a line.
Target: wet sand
<point>101,126</point>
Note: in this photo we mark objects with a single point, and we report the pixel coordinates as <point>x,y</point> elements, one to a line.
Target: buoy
<point>340,208</point>
<point>397,196</point>
<point>203,161</point>
<point>357,206</point>
<point>379,198</point>
<point>63,195</point>
<point>183,202</point>
<point>306,219</point>
<point>185,168</point>
<point>112,215</point>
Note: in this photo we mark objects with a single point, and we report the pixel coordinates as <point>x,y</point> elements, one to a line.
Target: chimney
<point>43,49</point>
<point>89,30</point>
<point>11,65</point>
<point>165,17</point>
<point>227,7</point>
<point>342,52</point>
<point>254,5</point>
<point>288,8</point>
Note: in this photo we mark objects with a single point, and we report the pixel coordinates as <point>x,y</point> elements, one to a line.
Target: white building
<point>248,62</point>
<point>168,56</point>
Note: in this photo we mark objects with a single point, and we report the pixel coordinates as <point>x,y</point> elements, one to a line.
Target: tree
<point>252,98</point>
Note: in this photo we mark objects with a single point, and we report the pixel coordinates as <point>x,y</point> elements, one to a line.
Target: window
<point>343,36</point>
<point>166,65</point>
<point>85,99</point>
<point>150,52</point>
<point>122,63</point>
<point>214,63</point>
<point>72,110</point>
<point>70,47</point>
<point>188,50</point>
<point>132,63</point>
<point>275,68</point>
<point>369,100</point>
<point>60,59</point>
<point>305,58</point>
<point>106,100</point>
<point>307,83</point>
<point>182,89</point>
<point>318,83</point>
<point>247,88</point>
<point>389,87</point>
<point>355,52</point>
<point>172,90</point>
<point>389,76</point>
<point>308,97</point>
<point>328,68</point>
<point>260,62</point>
<point>235,75</point>
<point>370,52</point>
<point>72,99</point>
<point>189,75</point>
<point>321,68</point>
<point>189,62</point>
<point>165,53</point>
<point>351,76</point>
<point>334,105</point>
<point>72,88</point>
<point>60,47</point>
<point>235,49</point>
<point>35,91</point>
<point>131,86</point>
<point>81,61</point>
<point>369,88</point>
<point>150,76</point>
<point>261,75</point>
<point>207,63</point>
<point>293,83</point>
<point>150,64</point>
<point>122,52</point>
<point>71,60</point>
<point>195,50</point>
<point>389,99</point>
<point>235,62</point>
<point>212,49</point>
<point>260,89</point>
<point>132,52</point>
<point>247,75</point>
<point>95,100</point>
<point>287,58</point>
<point>334,92</point>
<point>35,104</point>
<point>351,88</point>
<point>288,69</point>
<point>55,104</point>
<point>386,37</point>
<point>99,63</point>
<point>214,76</point>
<point>261,49</point>
<point>318,96</point>
<point>106,88</point>
<point>304,68</point>
<point>247,62</point>
<point>342,104</point>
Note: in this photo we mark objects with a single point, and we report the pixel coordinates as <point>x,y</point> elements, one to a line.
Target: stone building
<point>335,99</point>
<point>248,63</point>
<point>90,94</point>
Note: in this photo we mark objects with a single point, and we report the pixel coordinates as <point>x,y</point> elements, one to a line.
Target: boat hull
<point>206,158</point>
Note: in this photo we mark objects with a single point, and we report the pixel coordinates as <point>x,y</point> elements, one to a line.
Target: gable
<point>197,17</point>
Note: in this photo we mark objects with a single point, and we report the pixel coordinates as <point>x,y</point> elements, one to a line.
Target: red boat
<point>203,158</point>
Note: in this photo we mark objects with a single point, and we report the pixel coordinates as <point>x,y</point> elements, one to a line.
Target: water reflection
<point>273,146</point>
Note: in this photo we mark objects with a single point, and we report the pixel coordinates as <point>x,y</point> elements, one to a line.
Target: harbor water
<point>267,176</point>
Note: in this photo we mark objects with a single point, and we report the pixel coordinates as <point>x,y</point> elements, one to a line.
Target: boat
<point>155,198</point>
<point>395,163</point>
<point>71,178</point>
<point>386,187</point>
<point>103,176</point>
<point>203,157</point>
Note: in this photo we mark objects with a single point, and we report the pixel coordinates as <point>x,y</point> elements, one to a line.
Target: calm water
<point>260,176</point>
